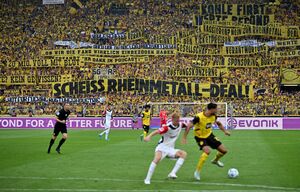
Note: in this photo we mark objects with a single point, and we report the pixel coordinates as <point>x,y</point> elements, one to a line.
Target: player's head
<point>147,107</point>
<point>212,108</point>
<point>67,107</point>
<point>175,118</point>
<point>108,106</point>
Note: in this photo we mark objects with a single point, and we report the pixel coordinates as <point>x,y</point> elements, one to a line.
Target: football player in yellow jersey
<point>203,123</point>
<point>146,118</point>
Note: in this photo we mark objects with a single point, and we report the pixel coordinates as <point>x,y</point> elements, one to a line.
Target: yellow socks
<point>218,156</point>
<point>201,161</point>
<point>145,134</point>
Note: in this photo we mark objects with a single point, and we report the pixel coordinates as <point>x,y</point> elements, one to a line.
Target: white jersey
<point>170,134</point>
<point>108,118</point>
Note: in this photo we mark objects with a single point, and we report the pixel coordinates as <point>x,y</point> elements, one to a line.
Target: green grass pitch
<point>266,160</point>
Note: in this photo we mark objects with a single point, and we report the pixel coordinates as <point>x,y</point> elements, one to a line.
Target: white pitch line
<point>156,181</point>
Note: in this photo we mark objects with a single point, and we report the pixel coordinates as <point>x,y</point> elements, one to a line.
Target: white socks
<point>177,166</point>
<point>106,132</point>
<point>150,171</point>
<point>152,167</point>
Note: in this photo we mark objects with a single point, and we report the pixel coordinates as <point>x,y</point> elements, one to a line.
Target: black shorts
<point>146,128</point>
<point>211,141</point>
<point>59,127</point>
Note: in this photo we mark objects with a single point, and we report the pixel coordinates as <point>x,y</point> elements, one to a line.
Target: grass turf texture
<point>266,160</point>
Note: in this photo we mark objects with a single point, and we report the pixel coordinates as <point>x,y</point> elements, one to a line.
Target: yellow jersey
<point>146,117</point>
<point>203,125</point>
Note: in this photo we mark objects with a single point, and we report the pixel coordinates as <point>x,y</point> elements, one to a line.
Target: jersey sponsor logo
<point>208,125</point>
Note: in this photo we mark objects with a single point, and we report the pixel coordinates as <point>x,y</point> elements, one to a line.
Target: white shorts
<point>166,151</point>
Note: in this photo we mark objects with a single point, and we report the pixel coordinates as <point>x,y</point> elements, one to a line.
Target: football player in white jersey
<point>166,146</point>
<point>107,122</point>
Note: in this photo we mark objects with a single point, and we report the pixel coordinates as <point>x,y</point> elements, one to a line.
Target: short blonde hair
<point>175,115</point>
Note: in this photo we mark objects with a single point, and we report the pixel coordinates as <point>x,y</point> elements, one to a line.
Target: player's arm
<point>220,125</point>
<point>161,131</point>
<point>188,127</point>
<point>61,121</point>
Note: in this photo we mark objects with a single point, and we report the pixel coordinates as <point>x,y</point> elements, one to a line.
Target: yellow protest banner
<point>107,52</point>
<point>219,63</point>
<point>219,23</point>
<point>161,39</point>
<point>205,39</point>
<point>185,33</point>
<point>134,35</point>
<point>293,53</point>
<point>292,32</point>
<point>254,14</point>
<point>151,86</point>
<point>193,72</point>
<point>32,63</point>
<point>197,50</point>
<point>241,62</point>
<point>221,30</point>
<point>237,50</point>
<point>62,57</point>
<point>31,80</point>
<point>288,43</point>
<point>113,60</point>
<point>246,30</point>
<point>267,62</point>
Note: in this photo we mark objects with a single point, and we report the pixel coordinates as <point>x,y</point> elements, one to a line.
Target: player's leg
<point>221,152</point>
<point>63,139</point>
<point>53,137</point>
<point>156,160</point>
<point>107,133</point>
<point>215,143</point>
<point>181,155</point>
<point>202,159</point>
<point>145,132</point>
<point>104,131</point>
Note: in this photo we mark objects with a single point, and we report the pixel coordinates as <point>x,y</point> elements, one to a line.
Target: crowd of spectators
<point>26,29</point>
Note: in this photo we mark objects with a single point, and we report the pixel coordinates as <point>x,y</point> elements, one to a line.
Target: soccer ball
<point>233,173</point>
